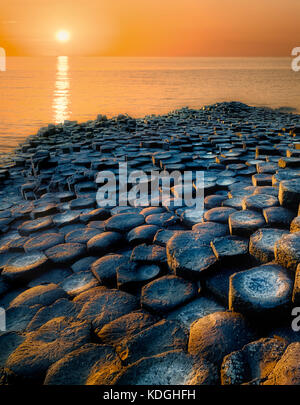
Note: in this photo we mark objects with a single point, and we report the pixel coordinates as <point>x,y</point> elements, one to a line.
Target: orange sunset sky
<point>151,27</point>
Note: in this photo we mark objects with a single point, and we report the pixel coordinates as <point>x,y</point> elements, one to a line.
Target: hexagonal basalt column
<point>287,251</point>
<point>261,291</point>
<point>262,243</point>
<point>289,193</point>
<point>244,223</point>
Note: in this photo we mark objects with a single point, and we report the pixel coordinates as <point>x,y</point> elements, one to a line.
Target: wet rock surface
<point>153,293</point>
<point>149,254</point>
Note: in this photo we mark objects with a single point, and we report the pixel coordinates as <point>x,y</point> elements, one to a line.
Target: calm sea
<point>38,91</point>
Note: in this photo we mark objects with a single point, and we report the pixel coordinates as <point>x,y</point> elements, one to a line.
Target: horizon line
<point>154,56</point>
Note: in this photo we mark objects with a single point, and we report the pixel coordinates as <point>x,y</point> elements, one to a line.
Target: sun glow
<point>63,36</point>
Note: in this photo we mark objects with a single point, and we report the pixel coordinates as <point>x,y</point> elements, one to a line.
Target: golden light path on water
<point>36,91</point>
<point>61,99</point>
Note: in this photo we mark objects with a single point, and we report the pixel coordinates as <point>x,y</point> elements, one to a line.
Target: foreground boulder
<point>170,368</point>
<point>253,363</point>
<point>210,230</point>
<point>79,365</point>
<point>142,234</point>
<point>295,225</point>
<point>278,217</point>
<point>287,370</point>
<point>258,202</point>
<point>217,335</point>
<point>36,225</point>
<point>219,214</point>
<point>47,345</point>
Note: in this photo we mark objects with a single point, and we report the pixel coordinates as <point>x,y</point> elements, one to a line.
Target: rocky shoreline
<point>153,295</point>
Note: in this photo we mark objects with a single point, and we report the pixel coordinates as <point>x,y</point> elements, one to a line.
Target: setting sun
<point>63,36</point>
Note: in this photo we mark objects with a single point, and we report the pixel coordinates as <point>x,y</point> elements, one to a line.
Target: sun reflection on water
<point>62,90</point>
